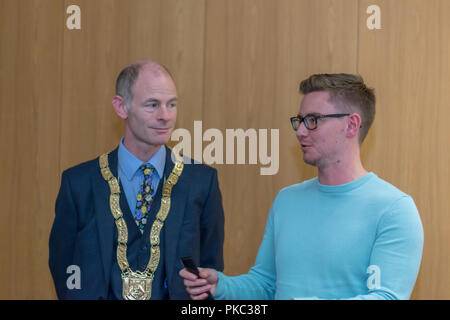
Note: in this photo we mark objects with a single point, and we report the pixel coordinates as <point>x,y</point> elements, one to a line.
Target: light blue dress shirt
<point>131,177</point>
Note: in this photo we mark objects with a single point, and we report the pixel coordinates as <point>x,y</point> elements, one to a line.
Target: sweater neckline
<point>346,186</point>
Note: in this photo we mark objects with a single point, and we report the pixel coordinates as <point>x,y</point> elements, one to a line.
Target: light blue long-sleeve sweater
<point>360,240</point>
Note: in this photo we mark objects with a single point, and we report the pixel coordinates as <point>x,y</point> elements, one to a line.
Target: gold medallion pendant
<point>137,285</point>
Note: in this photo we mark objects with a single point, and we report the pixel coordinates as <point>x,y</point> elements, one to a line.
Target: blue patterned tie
<point>144,197</point>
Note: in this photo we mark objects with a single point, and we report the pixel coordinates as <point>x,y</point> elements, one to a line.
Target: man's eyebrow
<point>309,114</point>
<point>157,100</point>
<point>151,100</point>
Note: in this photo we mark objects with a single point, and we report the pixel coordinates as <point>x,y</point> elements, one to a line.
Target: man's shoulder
<point>197,177</point>
<point>382,188</point>
<point>80,168</point>
<point>194,167</point>
<point>88,166</point>
<point>198,172</point>
<point>385,199</point>
<point>297,190</point>
<point>83,170</point>
<point>301,186</point>
<point>200,167</point>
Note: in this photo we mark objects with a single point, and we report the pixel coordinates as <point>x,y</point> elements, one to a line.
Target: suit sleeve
<point>62,237</point>
<point>212,228</point>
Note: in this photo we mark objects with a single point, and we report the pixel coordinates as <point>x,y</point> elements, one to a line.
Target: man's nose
<point>164,113</point>
<point>301,130</point>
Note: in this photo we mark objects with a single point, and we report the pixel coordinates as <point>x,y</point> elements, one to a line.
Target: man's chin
<point>164,139</point>
<point>160,142</point>
<point>309,160</point>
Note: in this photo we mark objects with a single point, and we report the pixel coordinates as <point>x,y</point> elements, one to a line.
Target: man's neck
<point>341,171</point>
<point>142,151</point>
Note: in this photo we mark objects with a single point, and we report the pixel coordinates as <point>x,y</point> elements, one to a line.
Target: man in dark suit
<point>124,220</point>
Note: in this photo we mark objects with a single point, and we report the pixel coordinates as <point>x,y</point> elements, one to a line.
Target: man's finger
<point>187,275</point>
<point>195,283</point>
<point>198,290</point>
<point>202,296</point>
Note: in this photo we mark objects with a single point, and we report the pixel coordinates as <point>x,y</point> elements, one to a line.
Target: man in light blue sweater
<point>346,234</point>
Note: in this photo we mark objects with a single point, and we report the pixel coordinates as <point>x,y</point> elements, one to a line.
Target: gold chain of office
<point>137,285</point>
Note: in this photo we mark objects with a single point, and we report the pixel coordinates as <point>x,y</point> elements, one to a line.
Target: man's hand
<point>198,287</point>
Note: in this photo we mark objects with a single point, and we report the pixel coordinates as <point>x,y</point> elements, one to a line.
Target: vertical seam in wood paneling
<point>357,33</point>
<point>61,95</point>
<point>205,12</point>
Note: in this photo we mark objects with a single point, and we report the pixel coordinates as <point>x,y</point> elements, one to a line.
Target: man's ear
<point>354,125</point>
<point>120,107</point>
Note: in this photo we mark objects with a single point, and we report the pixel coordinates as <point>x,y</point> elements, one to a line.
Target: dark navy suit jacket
<point>83,229</point>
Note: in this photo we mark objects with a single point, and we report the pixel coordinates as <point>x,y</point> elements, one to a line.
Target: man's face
<point>323,145</point>
<point>152,114</point>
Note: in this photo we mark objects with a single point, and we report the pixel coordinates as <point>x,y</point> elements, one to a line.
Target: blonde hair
<point>347,92</point>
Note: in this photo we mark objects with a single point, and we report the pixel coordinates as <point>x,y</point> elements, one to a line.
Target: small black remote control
<point>192,268</point>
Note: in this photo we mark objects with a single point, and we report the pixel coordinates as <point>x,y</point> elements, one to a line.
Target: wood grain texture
<point>30,95</point>
<point>237,64</point>
<point>115,33</point>
<point>256,54</point>
<point>407,62</point>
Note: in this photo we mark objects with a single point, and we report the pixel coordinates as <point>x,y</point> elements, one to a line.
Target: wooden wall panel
<point>30,95</point>
<point>256,54</point>
<point>113,34</point>
<point>237,64</point>
<point>407,62</point>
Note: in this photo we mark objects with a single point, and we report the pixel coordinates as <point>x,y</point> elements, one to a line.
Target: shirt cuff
<point>219,294</point>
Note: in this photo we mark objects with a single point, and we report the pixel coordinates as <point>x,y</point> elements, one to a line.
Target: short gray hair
<point>127,78</point>
<point>125,82</point>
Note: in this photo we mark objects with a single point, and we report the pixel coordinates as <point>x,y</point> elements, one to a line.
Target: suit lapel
<point>174,219</point>
<point>105,220</point>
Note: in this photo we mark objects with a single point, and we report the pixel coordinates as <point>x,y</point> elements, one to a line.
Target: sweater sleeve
<point>259,282</point>
<point>396,254</point>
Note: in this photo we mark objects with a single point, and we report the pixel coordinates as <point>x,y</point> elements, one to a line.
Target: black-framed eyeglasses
<point>310,120</point>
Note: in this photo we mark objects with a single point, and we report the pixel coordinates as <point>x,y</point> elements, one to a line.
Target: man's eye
<point>310,119</point>
<point>151,105</point>
<point>172,105</point>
